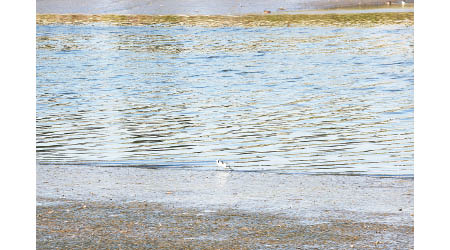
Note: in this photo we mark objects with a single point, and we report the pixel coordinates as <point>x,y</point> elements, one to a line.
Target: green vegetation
<point>353,19</point>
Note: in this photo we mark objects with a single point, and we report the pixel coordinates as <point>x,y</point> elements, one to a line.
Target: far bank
<point>201,7</point>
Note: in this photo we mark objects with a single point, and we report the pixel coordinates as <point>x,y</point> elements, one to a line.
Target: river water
<point>308,99</point>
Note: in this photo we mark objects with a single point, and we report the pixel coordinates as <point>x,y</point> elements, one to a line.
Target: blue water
<point>287,99</point>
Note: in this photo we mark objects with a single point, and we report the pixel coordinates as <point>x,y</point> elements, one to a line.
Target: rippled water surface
<point>290,99</point>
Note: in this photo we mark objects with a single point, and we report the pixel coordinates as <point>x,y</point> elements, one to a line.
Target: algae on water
<point>349,19</point>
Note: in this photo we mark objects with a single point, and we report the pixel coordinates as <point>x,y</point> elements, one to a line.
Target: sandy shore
<point>67,224</point>
<point>95,207</point>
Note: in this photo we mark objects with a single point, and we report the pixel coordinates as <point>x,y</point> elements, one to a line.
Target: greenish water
<point>352,17</point>
<point>278,93</point>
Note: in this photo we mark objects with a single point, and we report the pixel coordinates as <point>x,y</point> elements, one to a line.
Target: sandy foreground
<point>83,207</point>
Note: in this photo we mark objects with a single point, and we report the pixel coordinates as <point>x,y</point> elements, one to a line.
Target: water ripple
<point>300,99</point>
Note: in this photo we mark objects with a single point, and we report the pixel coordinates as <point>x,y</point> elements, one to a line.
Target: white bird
<point>222,164</point>
<point>403,3</point>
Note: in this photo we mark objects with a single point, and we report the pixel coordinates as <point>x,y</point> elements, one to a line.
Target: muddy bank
<point>92,207</point>
<point>195,7</point>
<point>68,224</point>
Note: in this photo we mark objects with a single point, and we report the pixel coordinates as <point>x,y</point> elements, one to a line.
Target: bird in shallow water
<point>222,164</point>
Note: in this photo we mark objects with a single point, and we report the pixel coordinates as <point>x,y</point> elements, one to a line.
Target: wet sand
<point>106,225</point>
<point>97,207</point>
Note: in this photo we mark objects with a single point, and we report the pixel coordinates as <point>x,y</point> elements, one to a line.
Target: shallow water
<point>304,99</point>
<point>360,198</point>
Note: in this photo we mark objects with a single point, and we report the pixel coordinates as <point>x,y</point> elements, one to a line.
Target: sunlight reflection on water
<point>299,99</point>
